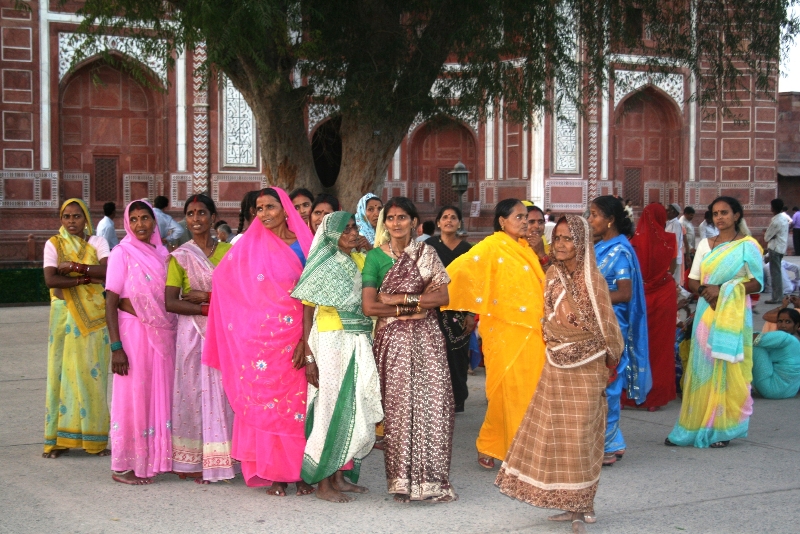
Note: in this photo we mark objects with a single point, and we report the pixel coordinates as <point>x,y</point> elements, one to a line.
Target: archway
<point>435,148</point>
<point>326,148</point>
<point>111,126</point>
<point>648,148</point>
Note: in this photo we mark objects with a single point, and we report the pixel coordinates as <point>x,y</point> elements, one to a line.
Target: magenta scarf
<point>254,325</point>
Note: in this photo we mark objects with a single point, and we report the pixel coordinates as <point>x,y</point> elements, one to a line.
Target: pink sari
<point>202,419</point>
<point>141,402</point>
<point>253,327</point>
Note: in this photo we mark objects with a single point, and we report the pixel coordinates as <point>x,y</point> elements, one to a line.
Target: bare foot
<point>402,498</point>
<point>278,489</point>
<point>590,517</point>
<point>342,484</point>
<point>304,488</point>
<point>327,491</point>
<point>128,477</point>
<point>450,497</point>
<point>55,453</point>
<point>380,444</point>
<point>104,452</point>
<point>578,526</point>
<point>184,476</point>
<point>201,481</point>
<point>564,516</point>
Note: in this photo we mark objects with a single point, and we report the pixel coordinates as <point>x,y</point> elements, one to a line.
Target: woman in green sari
<point>78,350</point>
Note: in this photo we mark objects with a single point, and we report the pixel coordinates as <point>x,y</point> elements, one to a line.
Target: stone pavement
<point>752,486</point>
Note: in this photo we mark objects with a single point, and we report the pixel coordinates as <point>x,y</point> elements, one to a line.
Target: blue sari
<point>617,260</point>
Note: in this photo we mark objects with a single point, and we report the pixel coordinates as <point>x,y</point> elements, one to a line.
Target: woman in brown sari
<point>556,456</point>
<point>403,283</point>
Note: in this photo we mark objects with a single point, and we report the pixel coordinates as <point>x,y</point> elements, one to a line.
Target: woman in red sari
<point>655,249</point>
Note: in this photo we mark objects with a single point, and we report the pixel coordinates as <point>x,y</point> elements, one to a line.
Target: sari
<point>254,325</point>
<point>616,260</point>
<point>341,414</point>
<point>502,281</point>
<point>556,456</point>
<point>78,353</point>
<point>202,419</point>
<point>364,226</point>
<point>655,250</point>
<point>414,377</point>
<point>454,328</point>
<point>776,365</point>
<point>716,402</point>
<point>141,402</point>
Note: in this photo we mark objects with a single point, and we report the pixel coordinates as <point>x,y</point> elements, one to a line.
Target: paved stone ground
<point>752,486</point>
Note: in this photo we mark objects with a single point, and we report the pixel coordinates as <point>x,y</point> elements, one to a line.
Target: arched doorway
<point>435,148</point>
<point>111,127</point>
<point>647,148</point>
<point>326,148</point>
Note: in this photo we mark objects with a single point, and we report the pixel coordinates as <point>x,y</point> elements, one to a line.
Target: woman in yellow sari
<point>78,351</point>
<point>501,280</point>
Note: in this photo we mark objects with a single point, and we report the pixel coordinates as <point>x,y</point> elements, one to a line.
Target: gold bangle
<point>405,299</point>
<point>397,310</point>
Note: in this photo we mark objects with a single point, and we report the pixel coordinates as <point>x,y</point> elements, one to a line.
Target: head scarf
<point>589,291</point>
<point>364,227</point>
<point>381,233</point>
<point>654,247</point>
<point>73,244</point>
<point>330,278</point>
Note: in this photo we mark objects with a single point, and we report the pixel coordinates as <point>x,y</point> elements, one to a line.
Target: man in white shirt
<point>674,226</point>
<point>777,236</point>
<point>105,228</point>
<point>688,234</point>
<point>707,228</point>
<point>169,229</point>
<point>425,231</point>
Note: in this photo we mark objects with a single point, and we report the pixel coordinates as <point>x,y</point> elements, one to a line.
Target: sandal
<point>619,454</point>
<point>486,462</point>
<point>668,443</point>
<point>719,444</point>
<point>55,453</point>
<point>380,444</point>
<point>609,459</point>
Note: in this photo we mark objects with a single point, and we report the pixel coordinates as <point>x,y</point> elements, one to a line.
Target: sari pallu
<point>78,355</point>
<point>415,381</point>
<point>202,419</point>
<point>254,325</point>
<point>502,281</point>
<point>716,394</point>
<point>141,403</point>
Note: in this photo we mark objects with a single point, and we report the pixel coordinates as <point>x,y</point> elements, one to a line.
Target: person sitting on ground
<point>776,358</point>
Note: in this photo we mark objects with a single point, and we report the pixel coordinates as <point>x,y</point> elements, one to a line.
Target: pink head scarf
<point>254,325</point>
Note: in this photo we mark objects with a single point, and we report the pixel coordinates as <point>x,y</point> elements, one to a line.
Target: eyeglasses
<point>350,229</point>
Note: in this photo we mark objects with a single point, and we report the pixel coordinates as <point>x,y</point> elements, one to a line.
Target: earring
<point>609,225</point>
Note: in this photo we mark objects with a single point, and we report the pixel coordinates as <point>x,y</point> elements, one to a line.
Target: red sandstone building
<point>64,135</point>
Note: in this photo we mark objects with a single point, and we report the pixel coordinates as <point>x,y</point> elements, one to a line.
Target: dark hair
<point>777,205</point>
<point>267,191</point>
<point>247,208</point>
<point>709,217</point>
<point>793,314</point>
<point>302,191</point>
<point>404,204</point>
<point>219,223</point>
<point>160,202</point>
<point>795,208</point>
<point>139,205</point>
<point>444,209</point>
<point>535,208</point>
<point>109,208</point>
<point>688,210</point>
<point>735,205</point>
<point>504,209</point>
<point>612,207</point>
<point>203,199</point>
<point>324,198</point>
<point>428,227</point>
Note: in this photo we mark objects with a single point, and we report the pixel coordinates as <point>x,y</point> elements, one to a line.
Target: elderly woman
<point>78,352</point>
<point>202,419</point>
<point>142,334</point>
<point>254,337</point>
<point>557,454</point>
<point>367,212</point>
<point>404,282</point>
<point>502,280</point>
<point>344,397</point>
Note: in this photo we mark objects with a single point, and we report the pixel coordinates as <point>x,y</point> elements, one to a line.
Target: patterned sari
<point>556,456</point>
<point>415,381</point>
<point>202,419</point>
<point>254,325</point>
<point>78,354</point>
<point>716,395</point>
<point>342,413</point>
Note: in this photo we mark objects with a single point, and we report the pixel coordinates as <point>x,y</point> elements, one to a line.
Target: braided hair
<point>247,209</point>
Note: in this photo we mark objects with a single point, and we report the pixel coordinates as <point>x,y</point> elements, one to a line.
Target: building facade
<point>93,132</point>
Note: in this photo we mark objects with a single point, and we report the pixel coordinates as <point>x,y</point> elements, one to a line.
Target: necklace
<point>213,247</point>
<point>392,250</point>
<point>717,237</point>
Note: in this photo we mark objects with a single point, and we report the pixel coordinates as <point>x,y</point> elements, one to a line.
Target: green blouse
<point>376,266</point>
<point>176,275</point>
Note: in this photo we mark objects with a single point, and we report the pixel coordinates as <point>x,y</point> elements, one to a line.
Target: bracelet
<point>700,290</point>
<point>117,345</point>
<point>204,309</point>
<point>310,359</point>
<point>209,297</point>
<point>83,268</point>
<point>405,299</point>
<point>397,309</point>
<point>413,299</point>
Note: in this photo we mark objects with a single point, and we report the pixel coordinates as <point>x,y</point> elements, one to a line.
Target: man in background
<point>796,230</point>
<point>425,231</point>
<point>674,226</point>
<point>689,235</point>
<point>169,229</point>
<point>105,228</point>
<point>777,236</point>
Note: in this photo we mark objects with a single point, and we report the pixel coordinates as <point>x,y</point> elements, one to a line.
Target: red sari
<point>655,249</point>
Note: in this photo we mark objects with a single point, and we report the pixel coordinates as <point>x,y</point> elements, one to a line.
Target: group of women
<point>277,357</point>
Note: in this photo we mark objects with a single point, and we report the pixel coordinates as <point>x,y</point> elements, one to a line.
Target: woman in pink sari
<point>142,335</point>
<point>202,419</point>
<point>254,336</point>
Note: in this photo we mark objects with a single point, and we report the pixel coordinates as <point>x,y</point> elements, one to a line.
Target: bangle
<point>413,299</point>
<point>405,299</point>
<point>397,311</point>
<point>82,268</point>
<point>204,309</point>
<point>209,297</point>
<point>73,267</point>
<point>86,280</point>
<point>117,345</point>
<point>310,359</point>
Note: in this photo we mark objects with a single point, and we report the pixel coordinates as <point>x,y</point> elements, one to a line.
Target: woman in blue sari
<point>618,264</point>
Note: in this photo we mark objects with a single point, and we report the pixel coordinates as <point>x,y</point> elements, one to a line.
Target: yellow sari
<point>501,280</point>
